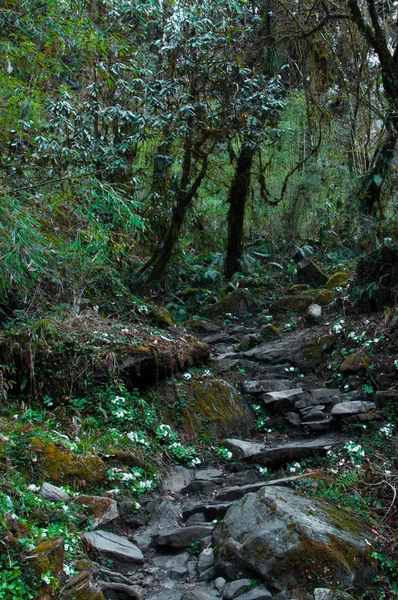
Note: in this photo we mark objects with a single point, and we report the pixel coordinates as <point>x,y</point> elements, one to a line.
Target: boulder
<point>236,588</point>
<point>61,465</point>
<point>269,331</point>
<point>81,586</point>
<point>212,405</point>
<point>101,510</point>
<point>352,408</point>
<point>238,303</point>
<point>48,557</point>
<point>320,296</point>
<point>355,363</point>
<point>182,537</point>
<point>288,539</point>
<point>311,273</point>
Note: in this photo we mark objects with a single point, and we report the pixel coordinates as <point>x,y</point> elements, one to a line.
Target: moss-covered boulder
<point>297,288</point>
<point>293,304</point>
<point>48,560</point>
<point>99,509</point>
<point>269,332</point>
<point>288,540</point>
<point>311,273</point>
<point>60,465</point>
<point>81,587</point>
<point>320,296</point>
<point>339,279</point>
<point>205,407</point>
<point>300,303</point>
<point>160,315</point>
<point>238,303</point>
<point>355,363</point>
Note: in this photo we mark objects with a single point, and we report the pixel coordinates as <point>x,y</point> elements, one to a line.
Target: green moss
<point>238,302</point>
<point>205,406</point>
<point>297,288</point>
<point>339,279</point>
<point>355,363</point>
<point>296,304</point>
<point>48,557</point>
<point>269,331</point>
<point>160,315</point>
<point>320,296</point>
<point>315,351</point>
<point>61,465</point>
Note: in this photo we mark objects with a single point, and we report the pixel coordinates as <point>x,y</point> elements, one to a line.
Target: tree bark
<point>237,198</point>
<point>370,191</point>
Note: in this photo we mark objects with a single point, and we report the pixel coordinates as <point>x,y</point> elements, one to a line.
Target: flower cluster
<point>387,430</point>
<point>138,437</point>
<point>185,454</point>
<point>355,453</point>
<point>135,478</point>
<point>224,453</point>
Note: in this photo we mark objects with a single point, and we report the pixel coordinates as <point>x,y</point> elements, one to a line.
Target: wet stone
<point>236,588</point>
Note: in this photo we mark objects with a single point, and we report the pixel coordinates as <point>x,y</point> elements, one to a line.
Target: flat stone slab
<point>178,479</point>
<point>236,588</point>
<point>230,494</point>
<point>262,386</point>
<point>355,407</point>
<point>210,510</point>
<point>257,594</point>
<point>182,537</point>
<point>283,395</point>
<point>114,546</point>
<point>254,452</point>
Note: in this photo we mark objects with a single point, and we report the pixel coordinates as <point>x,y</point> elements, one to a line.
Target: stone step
<point>262,386</point>
<point>254,452</point>
<point>231,494</point>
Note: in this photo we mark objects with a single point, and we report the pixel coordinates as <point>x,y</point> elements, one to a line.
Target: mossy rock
<point>312,354</point>
<point>320,296</point>
<point>297,288</point>
<point>311,273</point>
<point>307,538</point>
<point>269,331</point>
<point>81,587</point>
<point>237,303</point>
<point>213,407</point>
<point>60,465</point>
<point>160,315</point>
<point>355,363</point>
<point>293,304</point>
<point>201,326</point>
<point>189,293</point>
<point>48,558</point>
<point>339,279</point>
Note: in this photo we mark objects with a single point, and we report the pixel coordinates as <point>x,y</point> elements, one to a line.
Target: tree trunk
<point>237,198</point>
<point>370,192</point>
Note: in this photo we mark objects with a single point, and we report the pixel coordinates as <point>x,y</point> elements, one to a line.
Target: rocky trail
<point>227,532</point>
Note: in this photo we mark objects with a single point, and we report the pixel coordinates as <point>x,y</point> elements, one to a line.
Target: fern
<point>345,481</point>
